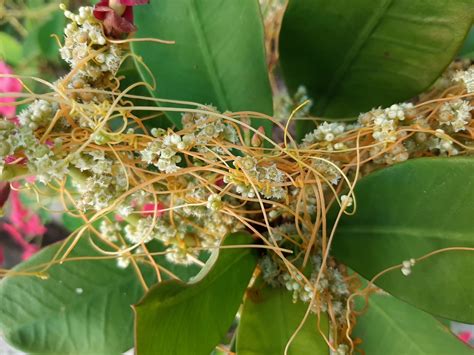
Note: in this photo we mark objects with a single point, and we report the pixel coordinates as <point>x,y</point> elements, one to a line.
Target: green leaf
<point>72,223</point>
<point>218,57</point>
<point>10,49</point>
<point>83,307</point>
<point>371,53</point>
<point>48,45</point>
<point>178,318</point>
<point>407,211</point>
<point>467,50</point>
<point>392,327</point>
<point>269,318</point>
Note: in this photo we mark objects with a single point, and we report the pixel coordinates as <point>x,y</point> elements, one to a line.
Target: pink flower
<point>149,209</point>
<point>23,223</point>
<point>117,15</point>
<point>465,336</point>
<point>23,219</point>
<point>28,249</point>
<point>8,85</point>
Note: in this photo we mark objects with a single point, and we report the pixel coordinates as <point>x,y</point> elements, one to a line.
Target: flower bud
<point>257,140</point>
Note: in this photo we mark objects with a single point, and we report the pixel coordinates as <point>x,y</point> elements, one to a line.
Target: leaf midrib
<point>397,327</point>
<point>211,66</point>
<point>414,232</point>
<point>352,53</point>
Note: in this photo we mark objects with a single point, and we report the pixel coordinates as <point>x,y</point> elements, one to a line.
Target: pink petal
<point>10,159</point>
<point>117,25</point>
<point>220,182</point>
<point>149,209</point>
<point>8,86</point>
<point>100,9</point>
<point>31,179</point>
<point>29,251</point>
<point>2,259</point>
<point>33,226</point>
<point>134,2</point>
<point>128,14</point>
<point>465,336</point>
<point>18,212</point>
<point>15,235</point>
<point>114,25</point>
<point>6,108</point>
<point>24,219</point>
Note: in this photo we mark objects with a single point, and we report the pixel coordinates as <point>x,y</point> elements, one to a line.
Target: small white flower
<point>346,200</point>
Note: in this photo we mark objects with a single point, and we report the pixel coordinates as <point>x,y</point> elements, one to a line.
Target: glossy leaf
<point>10,49</point>
<point>83,307</point>
<point>467,50</point>
<point>268,320</point>
<point>392,327</point>
<point>218,57</point>
<point>371,53</point>
<point>178,318</point>
<point>407,211</point>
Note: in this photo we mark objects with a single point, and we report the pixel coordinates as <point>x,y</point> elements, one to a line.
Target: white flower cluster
<point>45,164</point>
<point>6,129</point>
<point>179,255</point>
<point>385,121</point>
<point>342,349</point>
<point>141,232</point>
<point>281,231</point>
<point>331,283</point>
<point>123,260</point>
<point>327,170</point>
<point>98,191</point>
<point>284,104</point>
<point>407,265</point>
<point>84,39</point>
<point>39,114</point>
<point>163,152</point>
<point>202,130</point>
<point>214,224</point>
<point>455,113</point>
<point>110,231</point>
<point>385,124</point>
<point>309,202</point>
<point>214,202</point>
<point>466,77</point>
<point>442,143</point>
<point>266,179</point>
<point>197,221</point>
<point>105,182</point>
<point>40,159</point>
<point>94,161</point>
<point>326,133</point>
